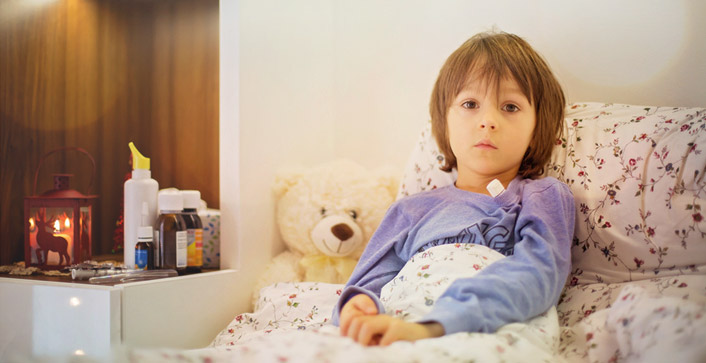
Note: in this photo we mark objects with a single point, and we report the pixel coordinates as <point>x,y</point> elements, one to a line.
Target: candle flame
<point>31,223</point>
<point>67,224</point>
<point>57,225</point>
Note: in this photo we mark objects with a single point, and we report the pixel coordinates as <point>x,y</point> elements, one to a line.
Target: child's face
<point>490,130</point>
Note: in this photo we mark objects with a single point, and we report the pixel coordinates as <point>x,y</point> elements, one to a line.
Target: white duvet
<point>291,324</point>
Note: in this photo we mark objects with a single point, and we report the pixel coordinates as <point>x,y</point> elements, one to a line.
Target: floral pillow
<point>637,174</point>
<point>422,171</point>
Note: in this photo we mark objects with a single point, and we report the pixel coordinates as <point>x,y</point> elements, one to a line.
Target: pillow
<point>637,174</point>
<point>422,171</point>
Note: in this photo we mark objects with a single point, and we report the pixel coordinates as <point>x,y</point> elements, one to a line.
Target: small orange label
<point>194,248</point>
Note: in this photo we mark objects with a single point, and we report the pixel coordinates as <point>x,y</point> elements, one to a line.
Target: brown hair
<point>495,56</point>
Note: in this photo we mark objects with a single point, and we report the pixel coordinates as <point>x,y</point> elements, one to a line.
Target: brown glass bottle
<point>194,231</point>
<point>171,230</point>
<point>172,241</point>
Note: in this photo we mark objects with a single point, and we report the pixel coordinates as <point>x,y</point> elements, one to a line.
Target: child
<point>496,111</point>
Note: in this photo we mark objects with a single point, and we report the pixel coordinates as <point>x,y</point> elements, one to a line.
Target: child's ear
<point>285,180</point>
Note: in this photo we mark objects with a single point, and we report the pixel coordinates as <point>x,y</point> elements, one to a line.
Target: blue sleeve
<point>379,263</point>
<point>520,286</point>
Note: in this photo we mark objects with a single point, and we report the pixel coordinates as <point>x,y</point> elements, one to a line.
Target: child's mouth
<point>486,145</point>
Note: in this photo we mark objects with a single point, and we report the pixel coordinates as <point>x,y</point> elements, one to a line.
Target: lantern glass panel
<point>51,235</point>
<point>86,233</point>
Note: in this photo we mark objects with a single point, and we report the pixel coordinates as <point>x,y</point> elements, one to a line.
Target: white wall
<point>307,81</point>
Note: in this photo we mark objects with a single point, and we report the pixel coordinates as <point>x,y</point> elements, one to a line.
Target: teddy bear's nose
<point>342,231</point>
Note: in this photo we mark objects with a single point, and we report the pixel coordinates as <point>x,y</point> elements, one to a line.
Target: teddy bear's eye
<point>353,214</point>
<point>323,211</point>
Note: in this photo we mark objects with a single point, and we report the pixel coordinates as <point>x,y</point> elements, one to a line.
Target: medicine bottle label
<point>194,249</point>
<point>141,257</point>
<point>181,240</point>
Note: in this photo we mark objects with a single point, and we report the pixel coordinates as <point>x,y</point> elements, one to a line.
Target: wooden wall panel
<point>97,74</point>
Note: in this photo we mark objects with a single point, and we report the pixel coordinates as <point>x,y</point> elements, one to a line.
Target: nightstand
<point>51,319</point>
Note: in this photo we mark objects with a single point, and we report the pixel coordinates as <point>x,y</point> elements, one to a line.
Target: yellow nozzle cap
<point>138,160</point>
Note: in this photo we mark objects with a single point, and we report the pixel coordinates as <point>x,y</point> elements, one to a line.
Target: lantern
<point>58,226</point>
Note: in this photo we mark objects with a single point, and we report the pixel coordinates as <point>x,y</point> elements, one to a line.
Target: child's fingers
<point>359,305</point>
<point>367,329</point>
<point>353,327</point>
<point>393,333</point>
<point>347,317</point>
<point>402,330</point>
<point>372,328</point>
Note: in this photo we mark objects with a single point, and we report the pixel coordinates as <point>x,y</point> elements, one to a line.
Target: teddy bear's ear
<point>285,179</point>
<point>387,177</point>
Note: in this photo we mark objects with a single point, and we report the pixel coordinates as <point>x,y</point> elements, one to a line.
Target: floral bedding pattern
<point>413,292</point>
<point>659,320</point>
<point>589,335</point>
<point>637,174</point>
<point>286,306</point>
<point>422,172</point>
<point>638,288</point>
<point>290,323</point>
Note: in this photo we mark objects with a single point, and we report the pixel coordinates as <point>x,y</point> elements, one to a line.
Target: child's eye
<point>469,104</point>
<point>511,108</point>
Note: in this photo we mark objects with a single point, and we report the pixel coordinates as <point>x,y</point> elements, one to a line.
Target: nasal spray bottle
<point>140,188</point>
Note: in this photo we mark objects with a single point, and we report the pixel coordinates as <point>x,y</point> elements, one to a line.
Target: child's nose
<point>488,122</point>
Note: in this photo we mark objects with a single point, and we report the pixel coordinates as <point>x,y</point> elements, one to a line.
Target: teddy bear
<point>326,215</point>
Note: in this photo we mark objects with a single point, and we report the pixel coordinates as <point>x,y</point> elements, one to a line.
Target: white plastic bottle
<point>140,188</point>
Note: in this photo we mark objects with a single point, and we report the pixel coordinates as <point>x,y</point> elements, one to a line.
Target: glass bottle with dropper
<point>144,250</point>
<point>171,231</point>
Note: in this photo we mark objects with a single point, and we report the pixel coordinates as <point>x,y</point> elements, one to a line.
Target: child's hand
<point>384,330</point>
<point>360,322</point>
<point>359,305</point>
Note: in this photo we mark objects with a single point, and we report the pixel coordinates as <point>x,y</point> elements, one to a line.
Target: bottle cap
<point>145,234</point>
<point>170,200</point>
<point>192,199</point>
<point>138,160</point>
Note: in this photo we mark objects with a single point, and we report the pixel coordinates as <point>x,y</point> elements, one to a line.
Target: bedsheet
<point>656,320</point>
<point>291,322</point>
<point>662,319</point>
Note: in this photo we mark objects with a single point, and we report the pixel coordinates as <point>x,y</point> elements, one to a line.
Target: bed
<point>636,292</point>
